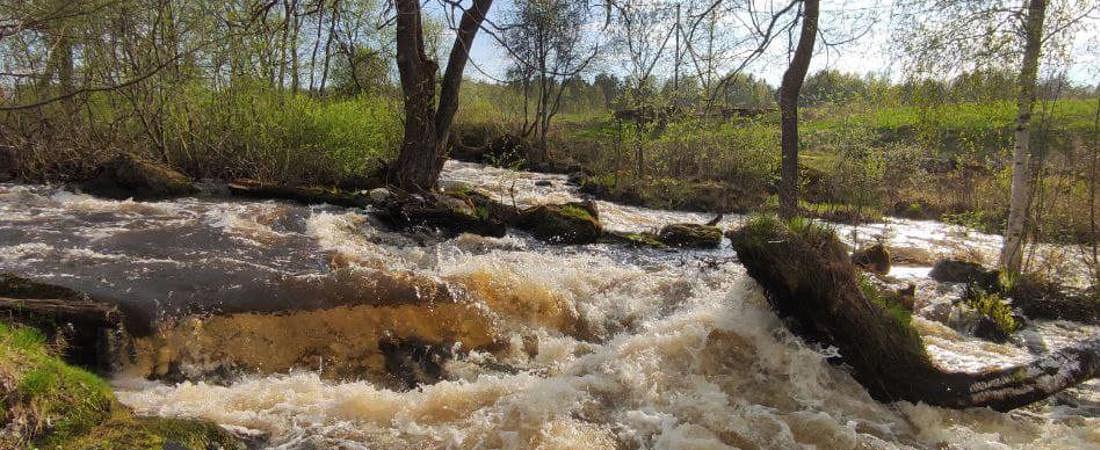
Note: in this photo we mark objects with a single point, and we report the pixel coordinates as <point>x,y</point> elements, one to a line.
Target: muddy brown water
<point>557,347</point>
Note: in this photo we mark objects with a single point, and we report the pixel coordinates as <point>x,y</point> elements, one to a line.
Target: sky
<point>870,54</point>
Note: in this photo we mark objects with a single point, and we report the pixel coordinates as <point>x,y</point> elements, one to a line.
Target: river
<point>593,347</point>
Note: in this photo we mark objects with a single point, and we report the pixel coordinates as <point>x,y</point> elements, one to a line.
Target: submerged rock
<point>875,258</point>
<point>570,223</point>
<point>451,213</point>
<point>130,176</point>
<point>959,271</point>
<point>690,235</point>
<point>380,195</point>
<point>987,329</point>
<point>413,362</point>
<point>387,327</point>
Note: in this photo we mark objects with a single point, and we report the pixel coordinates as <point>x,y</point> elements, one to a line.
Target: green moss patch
<point>569,224</point>
<point>49,404</point>
<point>888,301</point>
<point>994,308</point>
<point>576,212</point>
<point>691,235</point>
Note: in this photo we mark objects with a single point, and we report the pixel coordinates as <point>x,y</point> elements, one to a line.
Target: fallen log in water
<point>86,326</point>
<point>811,282</point>
<point>307,195</point>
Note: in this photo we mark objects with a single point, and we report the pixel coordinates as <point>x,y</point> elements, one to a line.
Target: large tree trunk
<point>788,109</point>
<point>810,281</point>
<point>1012,253</point>
<point>426,125</point>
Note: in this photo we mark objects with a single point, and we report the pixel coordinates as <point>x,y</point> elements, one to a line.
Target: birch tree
<point>940,36</point>
<point>1012,252</point>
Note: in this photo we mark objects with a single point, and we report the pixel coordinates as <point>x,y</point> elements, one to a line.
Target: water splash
<point>579,347</point>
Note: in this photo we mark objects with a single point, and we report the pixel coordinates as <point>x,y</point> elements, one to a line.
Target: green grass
<point>578,213</point>
<point>896,310</point>
<point>65,401</point>
<point>1074,114</point>
<point>58,406</point>
<point>278,136</point>
<point>247,129</point>
<point>996,309</point>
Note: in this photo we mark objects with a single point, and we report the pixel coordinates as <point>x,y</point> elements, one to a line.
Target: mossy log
<point>810,281</point>
<point>308,195</point>
<point>451,213</point>
<point>130,176</point>
<point>86,326</point>
<point>690,235</point>
<point>641,240</point>
<point>575,223</point>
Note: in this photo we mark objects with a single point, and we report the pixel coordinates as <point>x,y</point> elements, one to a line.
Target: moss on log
<point>811,282</point>
<point>690,235</point>
<point>458,213</point>
<point>567,224</point>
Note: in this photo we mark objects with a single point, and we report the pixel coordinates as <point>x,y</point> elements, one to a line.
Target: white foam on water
<point>609,347</point>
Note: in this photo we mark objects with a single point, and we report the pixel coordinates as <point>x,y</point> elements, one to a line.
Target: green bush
<point>255,131</point>
<point>993,307</point>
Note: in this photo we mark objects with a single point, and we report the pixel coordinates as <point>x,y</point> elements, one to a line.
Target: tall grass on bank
<point>246,130</point>
<point>272,135</point>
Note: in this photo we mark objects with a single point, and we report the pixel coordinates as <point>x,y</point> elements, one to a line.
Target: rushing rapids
<point>595,346</point>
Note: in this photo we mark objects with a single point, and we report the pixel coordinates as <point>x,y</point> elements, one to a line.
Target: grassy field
<point>947,161</point>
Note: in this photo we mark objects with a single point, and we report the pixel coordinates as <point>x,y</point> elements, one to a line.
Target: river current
<point>600,346</point>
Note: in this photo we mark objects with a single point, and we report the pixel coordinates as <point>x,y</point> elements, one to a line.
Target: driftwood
<point>811,282</point>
